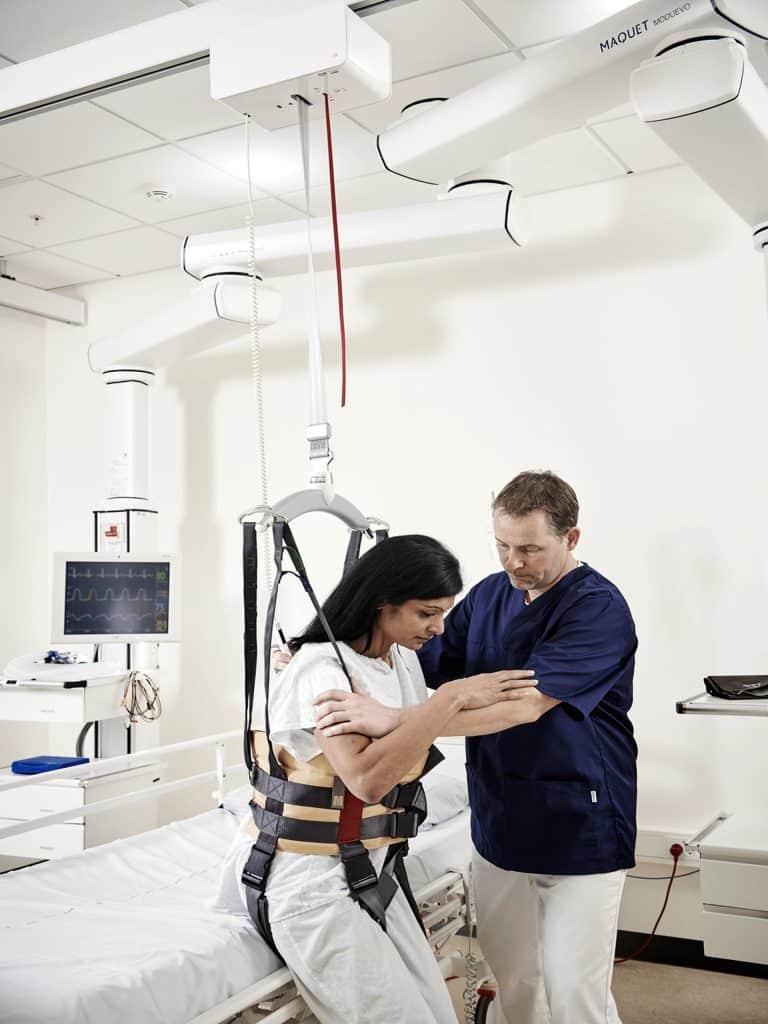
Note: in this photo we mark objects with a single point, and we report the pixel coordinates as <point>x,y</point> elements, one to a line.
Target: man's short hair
<point>531,491</point>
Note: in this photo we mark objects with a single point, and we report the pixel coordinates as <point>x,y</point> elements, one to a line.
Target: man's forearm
<point>483,721</point>
<point>505,714</point>
<point>495,718</point>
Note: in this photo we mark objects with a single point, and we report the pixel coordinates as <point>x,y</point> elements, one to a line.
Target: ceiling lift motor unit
<point>261,55</point>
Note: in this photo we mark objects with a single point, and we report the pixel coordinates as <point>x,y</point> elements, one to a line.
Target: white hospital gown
<point>347,968</point>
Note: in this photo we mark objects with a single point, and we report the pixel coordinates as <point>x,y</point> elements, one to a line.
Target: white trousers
<point>350,971</point>
<point>550,942</point>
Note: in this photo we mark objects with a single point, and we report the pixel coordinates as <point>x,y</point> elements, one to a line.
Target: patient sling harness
<point>405,804</point>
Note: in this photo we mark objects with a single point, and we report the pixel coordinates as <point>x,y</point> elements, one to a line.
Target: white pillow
<point>446,787</point>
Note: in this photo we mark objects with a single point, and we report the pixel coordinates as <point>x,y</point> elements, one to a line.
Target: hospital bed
<point>126,931</point>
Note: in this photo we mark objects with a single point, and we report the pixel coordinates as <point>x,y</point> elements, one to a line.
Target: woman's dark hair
<point>398,569</point>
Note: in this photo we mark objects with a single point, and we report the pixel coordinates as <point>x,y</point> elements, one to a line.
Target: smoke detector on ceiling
<point>159,195</point>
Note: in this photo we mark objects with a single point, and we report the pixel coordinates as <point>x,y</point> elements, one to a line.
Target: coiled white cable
<point>141,697</point>
<point>471,962</point>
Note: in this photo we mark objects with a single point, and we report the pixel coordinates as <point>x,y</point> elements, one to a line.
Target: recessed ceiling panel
<point>637,145</point>
<point>68,137</point>
<point>266,211</point>
<point>46,270</point>
<point>8,172</point>
<point>379,116</point>
<point>29,28</point>
<point>8,246</point>
<point>373,192</point>
<point>40,215</point>
<point>123,184</point>
<point>433,34</point>
<point>276,165</point>
<point>173,107</point>
<point>128,252</point>
<point>526,22</point>
<point>564,160</point>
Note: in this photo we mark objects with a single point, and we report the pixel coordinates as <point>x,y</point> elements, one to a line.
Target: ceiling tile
<point>123,183</point>
<point>174,107</point>
<point>29,28</point>
<point>433,34</point>
<point>8,246</point>
<point>624,110</point>
<point>63,217</point>
<point>127,252</point>
<point>45,270</point>
<point>266,211</point>
<point>8,172</point>
<point>534,21</point>
<point>276,156</point>
<point>636,144</point>
<point>561,161</point>
<point>379,116</point>
<point>74,135</point>
<point>372,192</point>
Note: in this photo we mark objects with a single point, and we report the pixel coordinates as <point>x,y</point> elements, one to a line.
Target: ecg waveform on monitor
<point>116,598</point>
<point>91,594</point>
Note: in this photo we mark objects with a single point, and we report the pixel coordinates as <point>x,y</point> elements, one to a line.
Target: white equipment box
<point>52,795</point>
<point>47,701</point>
<point>734,890</point>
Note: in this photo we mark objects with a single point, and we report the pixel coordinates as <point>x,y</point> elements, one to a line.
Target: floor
<point>656,994</point>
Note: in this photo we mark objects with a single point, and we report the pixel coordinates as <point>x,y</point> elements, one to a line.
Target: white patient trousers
<point>351,972</point>
<point>550,942</point>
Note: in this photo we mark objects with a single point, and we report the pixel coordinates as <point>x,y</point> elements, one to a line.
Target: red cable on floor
<point>676,851</point>
<point>337,252</point>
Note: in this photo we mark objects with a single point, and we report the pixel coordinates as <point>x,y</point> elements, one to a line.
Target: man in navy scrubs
<point>553,799</point>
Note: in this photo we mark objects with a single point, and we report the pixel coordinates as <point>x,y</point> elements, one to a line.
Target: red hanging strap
<point>337,253</point>
<point>350,818</point>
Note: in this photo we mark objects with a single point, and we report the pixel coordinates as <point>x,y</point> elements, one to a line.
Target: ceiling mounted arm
<point>560,88</point>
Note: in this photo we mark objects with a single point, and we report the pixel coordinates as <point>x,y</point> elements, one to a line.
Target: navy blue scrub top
<point>557,796</point>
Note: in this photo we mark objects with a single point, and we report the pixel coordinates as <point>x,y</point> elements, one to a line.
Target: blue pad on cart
<point>44,763</point>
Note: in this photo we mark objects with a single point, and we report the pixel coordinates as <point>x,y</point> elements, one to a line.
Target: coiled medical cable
<point>141,697</point>
<point>469,995</point>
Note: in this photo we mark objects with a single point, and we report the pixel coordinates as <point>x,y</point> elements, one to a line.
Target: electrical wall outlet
<point>685,858</point>
<point>653,846</point>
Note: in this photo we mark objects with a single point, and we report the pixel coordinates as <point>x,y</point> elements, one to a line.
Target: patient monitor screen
<point>116,598</point>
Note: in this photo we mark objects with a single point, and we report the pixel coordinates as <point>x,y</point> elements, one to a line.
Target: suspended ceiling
<point>74,181</point>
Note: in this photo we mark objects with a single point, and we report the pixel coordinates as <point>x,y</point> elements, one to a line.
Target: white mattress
<point>446,847</point>
<point>122,933</point>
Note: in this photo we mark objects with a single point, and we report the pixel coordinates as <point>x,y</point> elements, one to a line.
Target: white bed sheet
<point>122,933</point>
<point>445,847</point>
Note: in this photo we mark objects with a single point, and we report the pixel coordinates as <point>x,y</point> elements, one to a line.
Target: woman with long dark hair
<point>391,603</point>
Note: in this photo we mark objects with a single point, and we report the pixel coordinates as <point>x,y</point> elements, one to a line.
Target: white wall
<point>627,349</point>
<point>24,618</point>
